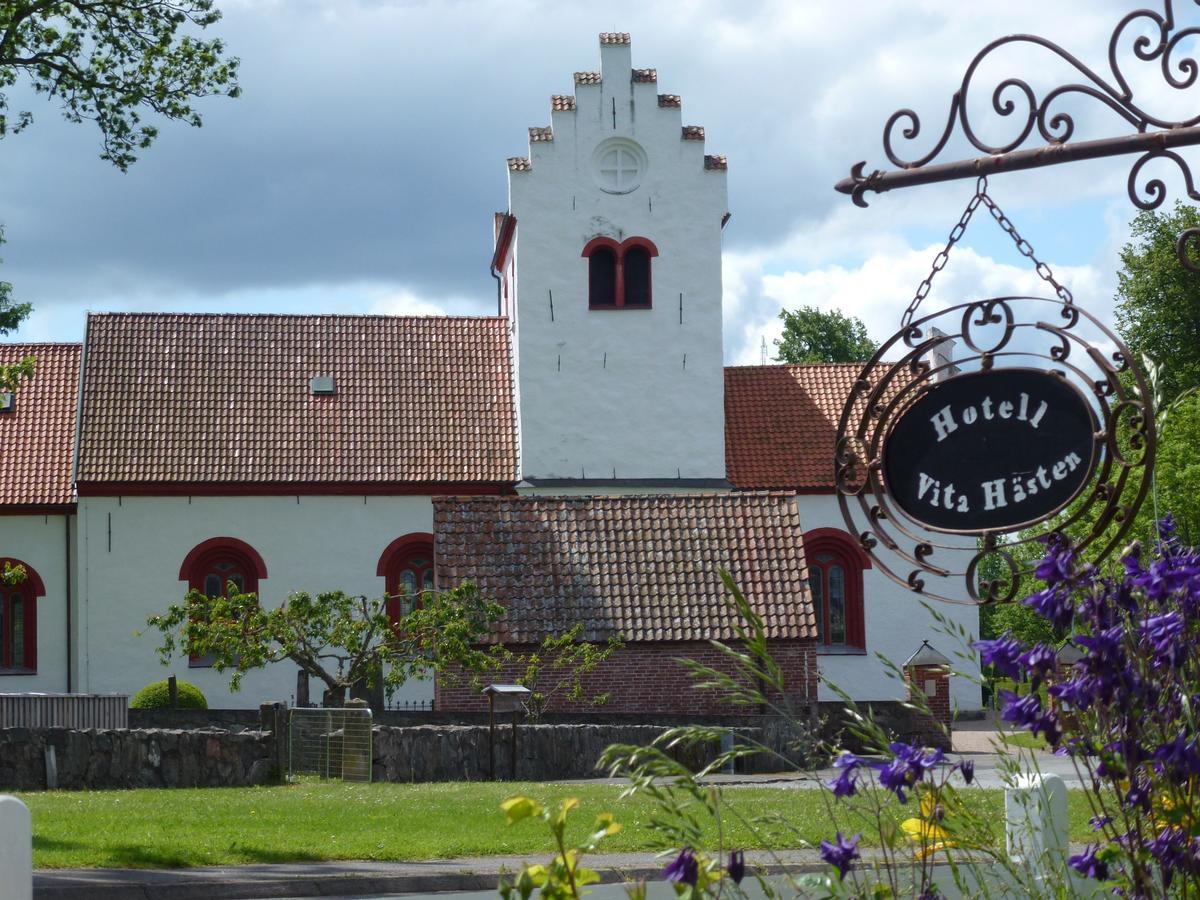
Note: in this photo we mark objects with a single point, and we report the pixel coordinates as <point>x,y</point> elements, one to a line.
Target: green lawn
<point>327,821</point>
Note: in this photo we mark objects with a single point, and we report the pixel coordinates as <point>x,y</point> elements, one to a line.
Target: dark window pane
<point>238,582</point>
<point>408,582</point>
<point>816,581</point>
<point>637,277</point>
<point>223,566</point>
<point>602,277</point>
<point>17,631</point>
<point>417,562</point>
<point>837,605</point>
<point>213,586</point>
<point>427,584</point>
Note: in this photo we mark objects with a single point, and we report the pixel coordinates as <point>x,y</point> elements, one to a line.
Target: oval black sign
<point>987,451</point>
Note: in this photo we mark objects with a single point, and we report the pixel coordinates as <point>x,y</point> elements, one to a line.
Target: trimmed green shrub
<point>157,695</point>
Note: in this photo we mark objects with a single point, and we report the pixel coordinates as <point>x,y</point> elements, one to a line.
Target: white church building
<point>583,456</point>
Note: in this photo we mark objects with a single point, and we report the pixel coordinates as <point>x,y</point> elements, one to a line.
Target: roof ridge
<point>266,315</point>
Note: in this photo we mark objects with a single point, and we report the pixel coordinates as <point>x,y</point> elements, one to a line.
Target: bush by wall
<point>157,695</point>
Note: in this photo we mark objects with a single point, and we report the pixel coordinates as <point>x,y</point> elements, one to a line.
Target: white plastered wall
<point>40,542</point>
<point>896,624</point>
<point>131,550</point>
<point>619,393</point>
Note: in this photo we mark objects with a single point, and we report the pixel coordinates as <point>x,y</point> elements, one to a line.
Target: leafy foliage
<point>11,315</point>
<point>342,640</point>
<point>562,877</point>
<point>810,335</point>
<point>1158,300</point>
<point>11,574</point>
<point>111,60</point>
<point>157,695</point>
<point>557,667</point>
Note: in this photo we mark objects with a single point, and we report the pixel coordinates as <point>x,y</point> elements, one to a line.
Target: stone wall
<point>131,758</point>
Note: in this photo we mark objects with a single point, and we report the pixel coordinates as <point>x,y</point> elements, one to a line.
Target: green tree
<point>340,639</point>
<point>110,61</point>
<point>810,335</point>
<point>1158,300</point>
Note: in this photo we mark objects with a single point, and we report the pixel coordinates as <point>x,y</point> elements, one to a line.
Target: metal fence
<point>330,743</point>
<point>78,711</point>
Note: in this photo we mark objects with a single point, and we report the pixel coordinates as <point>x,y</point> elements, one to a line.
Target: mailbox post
<point>504,698</point>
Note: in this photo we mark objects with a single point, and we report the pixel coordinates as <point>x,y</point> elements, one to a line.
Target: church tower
<point>610,267</point>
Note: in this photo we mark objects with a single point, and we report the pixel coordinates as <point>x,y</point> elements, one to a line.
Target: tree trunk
<point>334,698</point>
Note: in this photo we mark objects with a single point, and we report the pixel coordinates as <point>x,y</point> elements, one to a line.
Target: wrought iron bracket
<point>1154,138</point>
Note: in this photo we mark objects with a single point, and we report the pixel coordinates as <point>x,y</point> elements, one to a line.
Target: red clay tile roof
<point>693,132</point>
<point>519,164</point>
<point>587,78</point>
<point>540,135</point>
<point>781,424</point>
<point>669,100</point>
<point>614,37</point>
<point>226,399</point>
<point>644,567</point>
<point>37,438</point>
<point>562,102</point>
<point>715,162</point>
<point>645,76</point>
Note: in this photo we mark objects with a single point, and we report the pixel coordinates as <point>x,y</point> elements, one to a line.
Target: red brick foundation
<point>647,678</point>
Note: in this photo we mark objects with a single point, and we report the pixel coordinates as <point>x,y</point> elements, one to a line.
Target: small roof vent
<point>323,385</point>
<point>7,401</point>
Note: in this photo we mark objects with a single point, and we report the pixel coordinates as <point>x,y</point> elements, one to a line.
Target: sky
<point>359,171</point>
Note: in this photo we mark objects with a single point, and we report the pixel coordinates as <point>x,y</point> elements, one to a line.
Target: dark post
<point>512,768</point>
<point>173,691</point>
<point>301,688</point>
<point>491,736</point>
<point>273,719</point>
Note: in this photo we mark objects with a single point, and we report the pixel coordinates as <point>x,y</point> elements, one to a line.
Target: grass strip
<point>317,821</point>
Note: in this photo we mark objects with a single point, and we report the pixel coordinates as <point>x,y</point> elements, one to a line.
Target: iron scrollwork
<point>1046,333</point>
<point>1016,101</point>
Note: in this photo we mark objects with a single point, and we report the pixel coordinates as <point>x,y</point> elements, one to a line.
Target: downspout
<point>75,491</point>
<point>499,302</point>
<point>67,557</point>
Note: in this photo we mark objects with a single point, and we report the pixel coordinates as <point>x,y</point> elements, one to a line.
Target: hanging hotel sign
<point>993,450</point>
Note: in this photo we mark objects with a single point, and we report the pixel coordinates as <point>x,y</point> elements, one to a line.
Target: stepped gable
<point>37,437</point>
<point>228,400</point>
<point>644,567</point>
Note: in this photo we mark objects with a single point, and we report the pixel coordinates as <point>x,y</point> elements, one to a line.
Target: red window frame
<point>619,251</point>
<point>411,554</point>
<point>827,550</point>
<point>224,559</point>
<point>24,596</point>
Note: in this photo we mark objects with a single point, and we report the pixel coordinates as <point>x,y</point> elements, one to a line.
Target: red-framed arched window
<point>619,275</point>
<point>18,621</point>
<point>406,567</point>
<point>835,577</point>
<point>211,566</point>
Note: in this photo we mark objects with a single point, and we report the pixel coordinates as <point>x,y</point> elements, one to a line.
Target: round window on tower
<point>619,165</point>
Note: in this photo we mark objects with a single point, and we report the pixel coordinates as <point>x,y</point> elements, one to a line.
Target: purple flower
<point>737,866</point>
<point>1098,822</point>
<point>1003,653</point>
<point>1040,661</point>
<point>1077,693</point>
<point>1053,604</point>
<point>967,767</point>
<point>1058,565</point>
<point>1181,756</point>
<point>1027,712</point>
<point>846,784</point>
<point>1138,795</point>
<point>684,869</point>
<point>1088,864</point>
<point>1163,633</point>
<point>842,854</point>
<point>907,768</point>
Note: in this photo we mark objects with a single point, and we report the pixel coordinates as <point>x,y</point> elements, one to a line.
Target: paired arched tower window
<point>18,621</point>
<point>619,275</point>
<point>835,577</point>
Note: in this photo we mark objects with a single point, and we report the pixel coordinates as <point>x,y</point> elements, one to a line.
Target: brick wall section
<point>647,678</point>
<point>933,733</point>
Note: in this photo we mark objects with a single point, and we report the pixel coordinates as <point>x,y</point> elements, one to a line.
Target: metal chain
<point>1023,247</point>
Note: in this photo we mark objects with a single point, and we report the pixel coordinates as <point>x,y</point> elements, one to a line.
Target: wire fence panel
<point>330,744</point>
